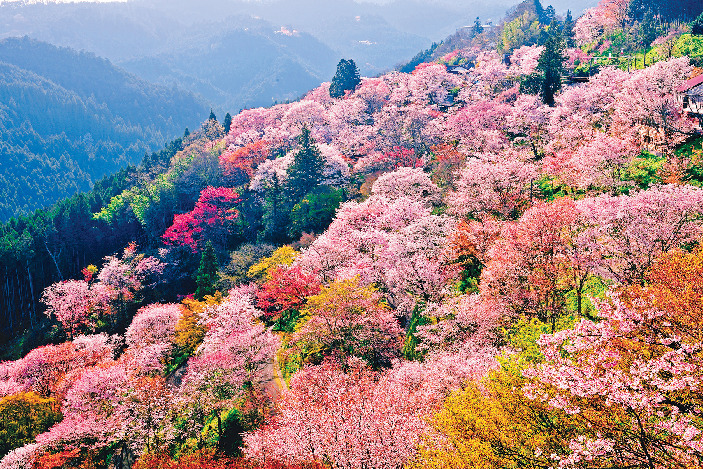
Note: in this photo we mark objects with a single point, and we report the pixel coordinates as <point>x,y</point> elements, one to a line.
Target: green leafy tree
<point>550,64</point>
<point>206,277</point>
<point>346,79</point>
<point>567,30</point>
<point>315,211</point>
<point>275,214</point>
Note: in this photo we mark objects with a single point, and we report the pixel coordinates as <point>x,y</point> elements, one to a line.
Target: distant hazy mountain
<point>243,67</point>
<point>68,118</point>
<point>236,53</point>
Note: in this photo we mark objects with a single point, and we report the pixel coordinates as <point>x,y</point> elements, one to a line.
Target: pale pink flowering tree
<point>604,18</point>
<point>596,164</point>
<point>236,351</point>
<point>459,321</point>
<point>528,123</point>
<point>627,233</point>
<point>495,185</point>
<point>584,110</point>
<point>305,113</point>
<point>150,336</point>
<point>352,419</point>
<point>395,244</point>
<point>647,108</point>
<point>21,458</point>
<point>524,60</point>
<point>43,369</point>
<point>479,127</point>
<point>153,324</point>
<point>407,182</point>
<point>75,303</point>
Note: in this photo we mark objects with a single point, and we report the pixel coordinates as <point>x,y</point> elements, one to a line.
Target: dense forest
<point>492,260</point>
<point>70,118</point>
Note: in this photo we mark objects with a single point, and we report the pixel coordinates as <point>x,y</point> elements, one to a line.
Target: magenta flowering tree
<point>210,220</point>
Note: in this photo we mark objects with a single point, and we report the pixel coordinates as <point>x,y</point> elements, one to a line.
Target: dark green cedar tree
<point>550,64</point>
<point>346,79</point>
<point>206,277</point>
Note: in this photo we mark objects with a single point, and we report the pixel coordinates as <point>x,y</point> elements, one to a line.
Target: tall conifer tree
<point>207,273</point>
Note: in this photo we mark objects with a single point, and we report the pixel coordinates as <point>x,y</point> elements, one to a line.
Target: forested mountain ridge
<point>489,261</point>
<point>70,118</point>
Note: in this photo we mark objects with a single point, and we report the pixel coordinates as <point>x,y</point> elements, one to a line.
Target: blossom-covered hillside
<point>434,270</point>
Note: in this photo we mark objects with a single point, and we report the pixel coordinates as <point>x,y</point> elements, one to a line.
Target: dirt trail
<point>274,384</point>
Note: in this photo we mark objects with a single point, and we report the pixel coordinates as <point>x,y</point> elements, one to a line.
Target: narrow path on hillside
<point>274,384</point>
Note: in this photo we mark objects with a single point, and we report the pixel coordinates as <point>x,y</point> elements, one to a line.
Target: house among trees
<point>690,95</point>
<point>459,69</point>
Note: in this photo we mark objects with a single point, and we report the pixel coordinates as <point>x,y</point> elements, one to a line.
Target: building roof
<point>692,83</point>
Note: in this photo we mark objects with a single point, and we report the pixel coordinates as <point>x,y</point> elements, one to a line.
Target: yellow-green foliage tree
<point>492,426</point>
<point>347,319</point>
<point>189,331</point>
<point>22,417</point>
<point>523,30</point>
<point>283,256</point>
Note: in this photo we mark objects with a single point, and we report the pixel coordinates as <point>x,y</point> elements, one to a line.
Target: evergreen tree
<point>539,11</point>
<point>306,171</point>
<point>649,28</point>
<point>275,216</point>
<point>478,27</point>
<point>346,79</point>
<point>227,123</point>
<point>567,30</point>
<point>551,64</point>
<point>549,14</point>
<point>206,276</point>
<point>212,116</point>
<point>697,26</point>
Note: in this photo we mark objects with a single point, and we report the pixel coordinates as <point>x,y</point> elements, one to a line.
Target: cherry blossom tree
<point>395,244</point>
<point>235,352</point>
<point>355,419</point>
<point>632,378</point>
<point>77,304</point>
<point>407,182</point>
<point>647,106</point>
<point>495,185</point>
<point>627,233</point>
<point>597,164</point>
<point>537,261</point>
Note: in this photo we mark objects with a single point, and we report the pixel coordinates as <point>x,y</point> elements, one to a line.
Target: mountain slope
<point>243,67</point>
<point>69,118</point>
